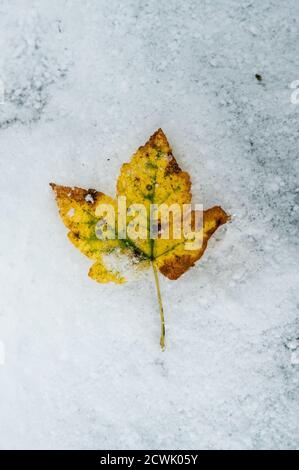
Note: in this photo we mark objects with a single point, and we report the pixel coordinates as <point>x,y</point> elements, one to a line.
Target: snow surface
<point>85,84</point>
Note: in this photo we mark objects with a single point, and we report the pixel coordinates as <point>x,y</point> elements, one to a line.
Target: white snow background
<point>85,84</point>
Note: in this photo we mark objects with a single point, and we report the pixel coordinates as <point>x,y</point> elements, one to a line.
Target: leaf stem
<point>162,337</point>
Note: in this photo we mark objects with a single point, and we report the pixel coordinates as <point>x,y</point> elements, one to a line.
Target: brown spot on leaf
<point>77,194</point>
<point>175,267</point>
<point>172,167</point>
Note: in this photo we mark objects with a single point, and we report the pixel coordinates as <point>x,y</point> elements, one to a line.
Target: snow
<point>86,83</point>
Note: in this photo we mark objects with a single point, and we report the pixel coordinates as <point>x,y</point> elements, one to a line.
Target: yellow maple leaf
<point>151,179</point>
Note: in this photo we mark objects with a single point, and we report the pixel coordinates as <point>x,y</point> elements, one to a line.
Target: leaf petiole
<point>162,337</point>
